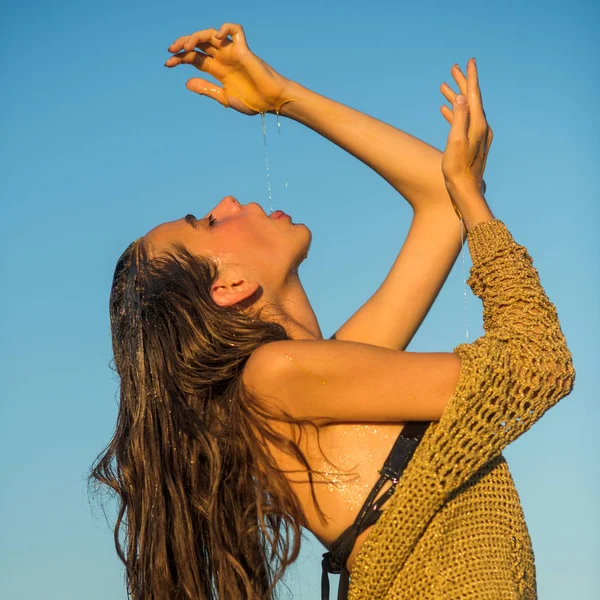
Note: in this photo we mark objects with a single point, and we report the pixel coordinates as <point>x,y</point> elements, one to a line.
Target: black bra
<point>334,561</point>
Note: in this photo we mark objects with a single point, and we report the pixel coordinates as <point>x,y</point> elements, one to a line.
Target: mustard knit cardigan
<point>454,527</point>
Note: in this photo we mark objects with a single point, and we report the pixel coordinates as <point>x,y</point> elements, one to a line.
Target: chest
<point>345,459</point>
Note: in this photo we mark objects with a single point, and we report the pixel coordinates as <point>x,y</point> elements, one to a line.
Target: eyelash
<point>211,220</point>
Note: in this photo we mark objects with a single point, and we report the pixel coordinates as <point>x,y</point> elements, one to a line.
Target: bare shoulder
<point>334,380</point>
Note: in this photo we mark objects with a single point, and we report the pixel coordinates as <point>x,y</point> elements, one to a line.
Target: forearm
<point>410,165</point>
<point>393,314</point>
<point>516,308</point>
<point>511,375</point>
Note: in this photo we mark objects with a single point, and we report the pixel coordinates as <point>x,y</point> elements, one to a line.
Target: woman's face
<point>243,236</point>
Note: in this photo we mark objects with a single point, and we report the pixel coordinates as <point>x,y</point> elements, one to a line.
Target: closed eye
<point>191,219</point>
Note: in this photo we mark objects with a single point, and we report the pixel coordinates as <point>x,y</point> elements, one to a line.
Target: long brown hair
<point>206,512</point>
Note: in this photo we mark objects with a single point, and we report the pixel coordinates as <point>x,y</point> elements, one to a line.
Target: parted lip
<point>277,214</point>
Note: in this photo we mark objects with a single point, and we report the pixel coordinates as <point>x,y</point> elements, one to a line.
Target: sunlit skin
<point>258,259</point>
<point>247,84</point>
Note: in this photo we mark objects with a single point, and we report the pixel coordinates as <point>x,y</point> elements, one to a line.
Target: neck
<point>298,318</point>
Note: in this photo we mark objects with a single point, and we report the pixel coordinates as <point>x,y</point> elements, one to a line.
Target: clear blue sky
<point>99,142</point>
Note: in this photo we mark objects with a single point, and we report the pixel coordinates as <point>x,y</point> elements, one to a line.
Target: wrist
<point>464,191</point>
<point>473,208</point>
<point>292,94</point>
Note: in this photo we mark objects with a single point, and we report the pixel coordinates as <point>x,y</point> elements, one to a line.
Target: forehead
<point>170,232</point>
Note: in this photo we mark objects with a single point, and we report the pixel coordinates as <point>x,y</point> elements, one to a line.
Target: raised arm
<point>250,85</point>
<point>521,367</point>
<point>395,311</point>
<point>509,377</point>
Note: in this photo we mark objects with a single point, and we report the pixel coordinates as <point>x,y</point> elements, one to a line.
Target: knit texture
<point>454,527</point>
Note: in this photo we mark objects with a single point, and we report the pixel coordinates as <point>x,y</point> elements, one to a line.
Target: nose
<point>227,206</point>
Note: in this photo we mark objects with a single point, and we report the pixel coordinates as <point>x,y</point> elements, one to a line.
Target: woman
<point>238,423</point>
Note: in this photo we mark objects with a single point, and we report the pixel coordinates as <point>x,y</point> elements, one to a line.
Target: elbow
<point>566,374</point>
<point>558,375</point>
<point>544,379</point>
<point>560,367</point>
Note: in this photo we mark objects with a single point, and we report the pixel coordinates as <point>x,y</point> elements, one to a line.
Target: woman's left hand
<point>449,94</point>
<point>249,84</point>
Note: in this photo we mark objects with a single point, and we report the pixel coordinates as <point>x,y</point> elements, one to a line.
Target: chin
<point>303,254</point>
<point>307,236</point>
<point>300,248</point>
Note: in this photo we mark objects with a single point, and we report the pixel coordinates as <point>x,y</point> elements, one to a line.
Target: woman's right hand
<point>249,84</point>
<point>469,139</point>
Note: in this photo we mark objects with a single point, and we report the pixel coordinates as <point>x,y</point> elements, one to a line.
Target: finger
<point>206,88</point>
<point>447,114</point>
<point>450,95</point>
<point>206,36</point>
<point>448,92</point>
<point>460,122</point>
<point>206,48</point>
<point>202,36</point>
<point>235,31</point>
<point>475,101</point>
<point>460,78</point>
<point>177,45</point>
<point>203,47</point>
<point>199,60</point>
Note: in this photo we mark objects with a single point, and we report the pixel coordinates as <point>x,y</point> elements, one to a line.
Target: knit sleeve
<point>509,378</point>
<point>511,375</point>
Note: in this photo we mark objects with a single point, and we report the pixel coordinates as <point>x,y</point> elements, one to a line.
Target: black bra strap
<point>334,561</point>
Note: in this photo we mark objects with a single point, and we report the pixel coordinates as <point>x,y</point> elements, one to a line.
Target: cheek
<point>244,244</point>
<point>252,236</point>
<point>261,242</point>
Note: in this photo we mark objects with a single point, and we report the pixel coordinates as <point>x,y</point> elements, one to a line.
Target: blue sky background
<point>99,143</point>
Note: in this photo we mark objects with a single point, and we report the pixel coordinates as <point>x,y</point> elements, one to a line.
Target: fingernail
<point>473,59</point>
<point>460,99</point>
